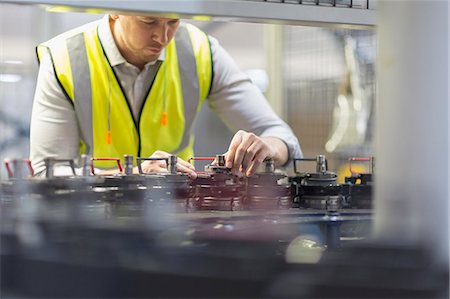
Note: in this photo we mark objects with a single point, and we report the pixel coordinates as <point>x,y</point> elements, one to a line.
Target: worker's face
<point>145,36</point>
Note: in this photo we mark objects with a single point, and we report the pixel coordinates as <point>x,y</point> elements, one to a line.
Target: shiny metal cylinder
<point>49,167</point>
<point>269,166</point>
<point>128,159</point>
<point>172,164</point>
<point>321,164</point>
<point>85,165</point>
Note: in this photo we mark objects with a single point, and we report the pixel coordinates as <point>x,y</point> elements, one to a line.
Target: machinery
<point>81,237</point>
<point>318,190</point>
<point>360,185</point>
<point>165,235</point>
<point>60,234</point>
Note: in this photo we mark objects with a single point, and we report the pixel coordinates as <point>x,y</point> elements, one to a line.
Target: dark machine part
<point>318,190</point>
<point>216,188</point>
<point>131,258</point>
<point>20,185</point>
<point>217,166</point>
<point>168,189</point>
<point>371,270</point>
<point>128,161</point>
<point>128,195</point>
<point>265,191</point>
<point>360,185</point>
<point>118,236</point>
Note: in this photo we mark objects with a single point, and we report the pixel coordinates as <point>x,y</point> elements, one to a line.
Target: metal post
<point>85,165</point>
<point>128,160</point>
<point>412,129</point>
<point>172,164</point>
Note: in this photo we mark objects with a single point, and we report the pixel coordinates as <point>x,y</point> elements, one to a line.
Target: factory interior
<point>361,211</point>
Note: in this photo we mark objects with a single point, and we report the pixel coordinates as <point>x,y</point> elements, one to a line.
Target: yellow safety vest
<point>182,83</point>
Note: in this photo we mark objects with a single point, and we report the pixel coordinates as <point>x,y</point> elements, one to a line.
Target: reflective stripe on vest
<point>82,89</point>
<point>186,74</point>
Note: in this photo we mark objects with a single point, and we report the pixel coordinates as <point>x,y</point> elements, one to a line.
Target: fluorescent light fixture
<point>13,62</point>
<point>10,78</point>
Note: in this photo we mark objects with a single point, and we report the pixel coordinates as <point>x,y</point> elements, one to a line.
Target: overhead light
<point>10,78</point>
<point>13,62</point>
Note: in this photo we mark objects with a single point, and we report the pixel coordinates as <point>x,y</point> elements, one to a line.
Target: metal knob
<point>220,160</point>
<point>16,172</point>
<point>321,164</point>
<point>269,166</point>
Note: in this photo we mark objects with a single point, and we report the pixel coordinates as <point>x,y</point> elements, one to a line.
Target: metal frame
<point>227,10</point>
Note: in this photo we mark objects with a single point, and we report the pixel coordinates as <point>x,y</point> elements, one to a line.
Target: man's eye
<point>148,22</point>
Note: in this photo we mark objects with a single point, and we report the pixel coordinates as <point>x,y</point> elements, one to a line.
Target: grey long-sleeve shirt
<point>235,99</point>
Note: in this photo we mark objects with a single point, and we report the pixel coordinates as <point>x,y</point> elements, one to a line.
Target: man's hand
<point>160,166</point>
<point>247,151</point>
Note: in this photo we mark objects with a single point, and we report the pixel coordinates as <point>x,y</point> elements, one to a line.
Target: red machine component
<point>105,159</point>
<point>201,159</point>
<point>17,173</point>
<point>370,160</point>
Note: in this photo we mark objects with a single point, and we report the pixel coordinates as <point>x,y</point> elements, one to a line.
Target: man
<point>134,84</point>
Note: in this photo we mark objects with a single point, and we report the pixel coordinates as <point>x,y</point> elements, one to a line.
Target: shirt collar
<point>110,47</point>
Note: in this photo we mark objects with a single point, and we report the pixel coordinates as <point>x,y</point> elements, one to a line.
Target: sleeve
<point>53,128</point>
<point>242,106</point>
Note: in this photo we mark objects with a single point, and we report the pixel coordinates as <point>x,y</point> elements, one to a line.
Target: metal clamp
<point>50,165</point>
<point>370,160</point>
<point>321,163</point>
<point>201,159</point>
<point>17,170</point>
<point>218,166</point>
<point>171,163</point>
<point>105,159</point>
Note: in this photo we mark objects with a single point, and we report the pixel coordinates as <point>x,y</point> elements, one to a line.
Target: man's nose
<point>161,34</point>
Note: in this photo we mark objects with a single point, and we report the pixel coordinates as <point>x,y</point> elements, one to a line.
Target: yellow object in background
<point>344,170</point>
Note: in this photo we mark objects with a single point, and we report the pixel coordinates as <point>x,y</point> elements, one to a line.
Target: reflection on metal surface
<point>354,105</point>
<point>304,250</point>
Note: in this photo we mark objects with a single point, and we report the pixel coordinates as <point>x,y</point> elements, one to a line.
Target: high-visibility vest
<point>182,83</point>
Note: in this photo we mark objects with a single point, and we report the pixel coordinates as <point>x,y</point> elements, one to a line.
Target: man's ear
<point>114,17</point>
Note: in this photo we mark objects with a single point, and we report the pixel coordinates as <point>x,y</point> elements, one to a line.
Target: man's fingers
<point>256,162</point>
<point>241,152</point>
<point>186,167</point>
<point>188,170</point>
<point>160,166</point>
<point>250,154</point>
<point>234,144</point>
<point>181,162</point>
